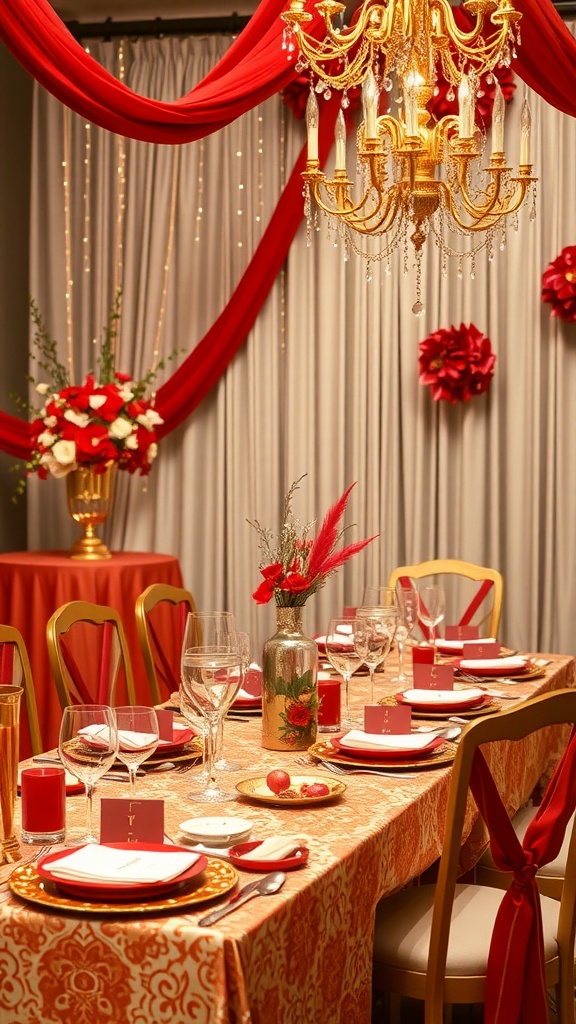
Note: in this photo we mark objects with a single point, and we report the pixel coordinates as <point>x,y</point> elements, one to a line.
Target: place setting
<point>387,741</point>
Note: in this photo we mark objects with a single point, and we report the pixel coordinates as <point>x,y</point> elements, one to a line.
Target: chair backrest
<point>15,669</point>
<point>473,592</point>
<point>469,774</point>
<point>89,655</point>
<point>161,613</point>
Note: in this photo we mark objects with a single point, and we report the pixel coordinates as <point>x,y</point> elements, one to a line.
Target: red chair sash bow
<point>515,981</point>
<point>468,614</point>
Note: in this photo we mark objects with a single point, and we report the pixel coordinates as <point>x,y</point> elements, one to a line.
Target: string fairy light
<point>68,244</point>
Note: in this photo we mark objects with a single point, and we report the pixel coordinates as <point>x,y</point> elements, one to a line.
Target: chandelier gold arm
<point>487,215</point>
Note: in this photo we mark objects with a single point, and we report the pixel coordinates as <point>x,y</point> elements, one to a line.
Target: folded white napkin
<point>244,695</point>
<point>460,645</point>
<point>275,848</point>
<point>96,734</point>
<point>502,665</point>
<point>443,696</point>
<point>129,740</point>
<point>387,741</point>
<point>94,863</point>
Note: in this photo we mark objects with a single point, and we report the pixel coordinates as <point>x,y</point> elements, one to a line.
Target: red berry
<point>278,780</point>
<point>315,789</point>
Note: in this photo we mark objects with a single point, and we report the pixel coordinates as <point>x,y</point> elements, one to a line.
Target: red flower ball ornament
<point>456,363</point>
<point>559,285</point>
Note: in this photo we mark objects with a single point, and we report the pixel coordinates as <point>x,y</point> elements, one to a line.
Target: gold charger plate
<point>217,879</point>
<point>442,716</point>
<point>256,789</point>
<point>439,758</point>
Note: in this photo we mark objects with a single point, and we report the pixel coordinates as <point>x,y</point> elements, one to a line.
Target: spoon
<point>265,887</point>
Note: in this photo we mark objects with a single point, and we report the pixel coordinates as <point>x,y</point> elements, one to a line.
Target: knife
<point>268,884</point>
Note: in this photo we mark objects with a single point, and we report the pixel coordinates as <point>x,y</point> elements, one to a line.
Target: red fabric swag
<point>254,69</point>
<point>515,982</point>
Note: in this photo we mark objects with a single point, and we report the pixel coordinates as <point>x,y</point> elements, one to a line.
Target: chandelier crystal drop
<point>418,176</point>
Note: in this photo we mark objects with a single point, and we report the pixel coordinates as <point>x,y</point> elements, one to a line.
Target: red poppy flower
<point>559,285</point>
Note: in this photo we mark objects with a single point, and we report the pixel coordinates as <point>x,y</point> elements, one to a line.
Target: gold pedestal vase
<point>10,697</point>
<point>89,496</point>
<point>289,685</point>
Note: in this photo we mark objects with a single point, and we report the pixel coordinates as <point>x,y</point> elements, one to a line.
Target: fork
<point>337,770</point>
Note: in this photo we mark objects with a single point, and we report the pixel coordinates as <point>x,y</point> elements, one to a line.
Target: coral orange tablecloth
<point>33,584</point>
<point>303,955</point>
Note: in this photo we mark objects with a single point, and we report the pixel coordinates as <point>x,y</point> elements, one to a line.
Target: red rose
<point>559,285</point>
<point>295,583</point>
<point>264,592</point>
<point>124,378</point>
<point>456,364</point>
<point>299,714</point>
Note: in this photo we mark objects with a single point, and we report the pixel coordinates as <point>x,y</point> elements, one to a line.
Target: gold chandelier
<point>417,175</point>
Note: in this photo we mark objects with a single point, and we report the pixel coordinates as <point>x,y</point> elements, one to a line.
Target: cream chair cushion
<point>403,928</point>
<point>557,867</point>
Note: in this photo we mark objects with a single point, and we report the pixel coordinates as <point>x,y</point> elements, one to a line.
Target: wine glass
<point>407,597</point>
<point>432,601</point>
<point>209,629</point>
<point>222,764</point>
<point>88,746</point>
<point>137,738</point>
<point>343,657</point>
<point>211,678</point>
<point>372,640</point>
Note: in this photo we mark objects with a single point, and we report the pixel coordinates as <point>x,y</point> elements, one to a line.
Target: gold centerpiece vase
<point>89,496</point>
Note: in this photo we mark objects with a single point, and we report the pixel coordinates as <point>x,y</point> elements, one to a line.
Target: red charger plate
<point>296,860</point>
<point>110,891</point>
<point>386,755</point>
<point>179,739</point>
<point>461,705</point>
<point>487,672</point>
<point>247,702</point>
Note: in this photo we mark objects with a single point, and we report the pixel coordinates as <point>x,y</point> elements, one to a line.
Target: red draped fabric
<point>254,68</point>
<point>515,981</point>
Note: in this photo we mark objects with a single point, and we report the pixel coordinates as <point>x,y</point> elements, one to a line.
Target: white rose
<point>132,442</point>
<point>49,421</point>
<point>120,428</point>
<point>79,419</point>
<point>126,394</point>
<point>65,453</point>
<point>42,389</point>
<point>152,452</point>
<point>57,468</point>
<point>96,401</point>
<point>149,419</point>
<point>46,439</point>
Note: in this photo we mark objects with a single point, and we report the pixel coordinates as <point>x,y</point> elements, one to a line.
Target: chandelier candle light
<point>417,173</point>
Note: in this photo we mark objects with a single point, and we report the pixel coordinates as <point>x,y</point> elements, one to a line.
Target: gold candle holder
<point>9,743</point>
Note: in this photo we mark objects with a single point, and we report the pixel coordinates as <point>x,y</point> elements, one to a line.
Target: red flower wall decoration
<point>456,364</point>
<point>559,285</point>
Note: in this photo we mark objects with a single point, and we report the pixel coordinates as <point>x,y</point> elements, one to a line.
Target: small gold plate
<point>217,879</point>
<point>256,789</point>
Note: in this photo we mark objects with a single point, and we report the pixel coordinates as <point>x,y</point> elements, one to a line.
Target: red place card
<point>423,654</point>
<point>481,649</point>
<point>380,720</point>
<point>252,682</point>
<point>165,732</point>
<point>461,632</point>
<point>131,821</point>
<point>434,677</point>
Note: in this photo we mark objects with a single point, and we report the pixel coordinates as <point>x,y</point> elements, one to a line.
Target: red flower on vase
<point>299,715</point>
<point>456,363</point>
<point>559,285</point>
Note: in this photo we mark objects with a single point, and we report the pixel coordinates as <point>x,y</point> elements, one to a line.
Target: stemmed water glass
<point>343,657</point>
<point>222,764</point>
<point>372,640</point>
<point>88,746</point>
<point>432,601</point>
<point>381,601</point>
<point>407,597</point>
<point>138,737</point>
<point>211,677</point>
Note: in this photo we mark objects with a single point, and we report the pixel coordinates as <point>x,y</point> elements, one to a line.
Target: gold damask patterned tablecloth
<point>299,956</point>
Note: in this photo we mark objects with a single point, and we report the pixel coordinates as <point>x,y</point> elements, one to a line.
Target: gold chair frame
<point>155,594</point>
<point>58,625</point>
<point>11,635</point>
<point>456,567</point>
<point>433,986</point>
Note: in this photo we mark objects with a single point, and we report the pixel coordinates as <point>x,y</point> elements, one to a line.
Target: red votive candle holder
<point>329,709</point>
<point>43,792</point>
<point>423,654</point>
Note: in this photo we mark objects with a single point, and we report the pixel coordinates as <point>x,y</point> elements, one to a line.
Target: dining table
<point>299,955</point>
